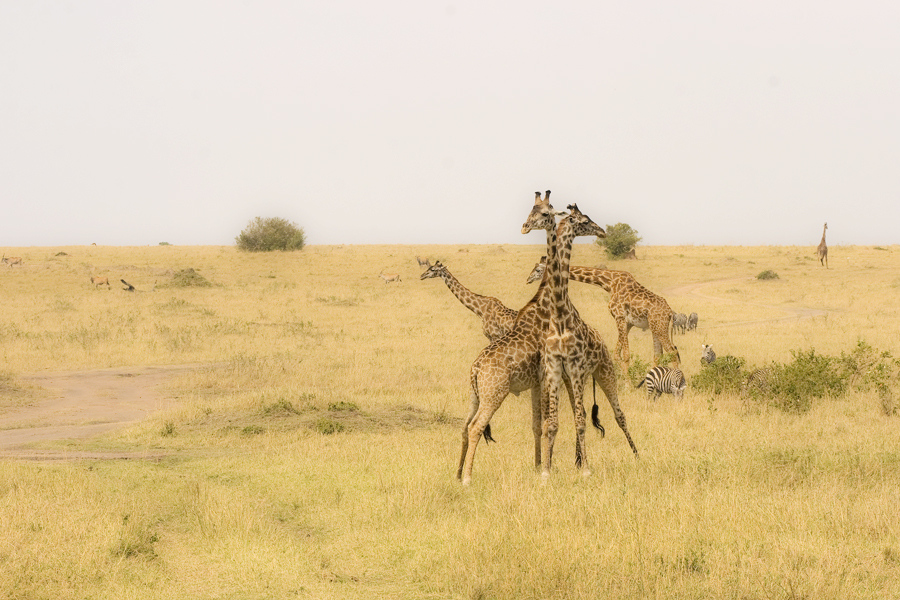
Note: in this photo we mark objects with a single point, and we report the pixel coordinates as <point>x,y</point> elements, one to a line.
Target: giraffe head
<point>582,224</point>
<point>435,270</point>
<point>538,272</point>
<point>542,215</point>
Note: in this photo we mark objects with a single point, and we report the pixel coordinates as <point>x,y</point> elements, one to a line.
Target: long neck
<point>559,273</point>
<point>601,277</point>
<point>824,229</point>
<point>468,298</point>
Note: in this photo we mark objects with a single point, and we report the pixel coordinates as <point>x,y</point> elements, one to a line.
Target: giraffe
<point>512,364</point>
<point>631,305</point>
<point>822,250</point>
<point>572,350</point>
<point>496,319</point>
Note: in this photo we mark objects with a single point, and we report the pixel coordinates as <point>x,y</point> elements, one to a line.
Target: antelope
<point>389,277</point>
<point>12,260</point>
<point>98,281</point>
<point>423,262</point>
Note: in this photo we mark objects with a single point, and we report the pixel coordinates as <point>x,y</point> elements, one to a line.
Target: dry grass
<point>314,457</point>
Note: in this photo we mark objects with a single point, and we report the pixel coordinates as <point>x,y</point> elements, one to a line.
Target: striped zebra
<point>663,380</point>
<point>758,382</point>
<point>707,354</point>
<point>679,322</point>
<point>692,321</point>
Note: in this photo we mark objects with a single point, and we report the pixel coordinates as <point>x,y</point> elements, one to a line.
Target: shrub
<point>809,376</point>
<point>271,233</point>
<point>637,370</point>
<point>620,240</point>
<point>767,274</point>
<point>188,278</point>
<point>722,376</point>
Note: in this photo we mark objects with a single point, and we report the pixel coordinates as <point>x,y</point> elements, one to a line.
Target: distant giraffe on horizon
<point>822,250</point>
<point>496,319</point>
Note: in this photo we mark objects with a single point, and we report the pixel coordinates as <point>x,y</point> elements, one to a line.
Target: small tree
<point>619,241</point>
<point>271,233</point>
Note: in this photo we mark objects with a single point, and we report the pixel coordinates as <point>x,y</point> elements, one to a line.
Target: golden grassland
<point>314,454</point>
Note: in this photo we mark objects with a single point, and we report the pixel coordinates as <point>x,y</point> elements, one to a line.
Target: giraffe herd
<point>546,345</point>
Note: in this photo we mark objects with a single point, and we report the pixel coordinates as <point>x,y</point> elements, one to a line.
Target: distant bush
<point>165,244</point>
<point>271,233</point>
<point>619,241</point>
<point>189,278</point>
<point>767,274</point>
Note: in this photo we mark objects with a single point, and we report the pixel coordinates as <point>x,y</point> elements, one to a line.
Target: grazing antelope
<point>98,281</point>
<point>12,260</point>
<point>389,277</point>
<point>423,262</point>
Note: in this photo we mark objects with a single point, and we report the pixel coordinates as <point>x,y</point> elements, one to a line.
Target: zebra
<point>758,382</point>
<point>707,354</point>
<point>679,322</point>
<point>692,321</point>
<point>663,380</point>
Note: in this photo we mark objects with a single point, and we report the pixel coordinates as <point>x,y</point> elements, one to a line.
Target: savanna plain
<point>312,452</point>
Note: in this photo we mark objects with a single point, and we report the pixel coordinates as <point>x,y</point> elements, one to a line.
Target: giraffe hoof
<point>545,478</point>
<point>585,473</point>
<point>467,481</point>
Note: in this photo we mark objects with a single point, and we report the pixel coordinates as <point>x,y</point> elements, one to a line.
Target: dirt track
<point>83,404</point>
<point>693,289</point>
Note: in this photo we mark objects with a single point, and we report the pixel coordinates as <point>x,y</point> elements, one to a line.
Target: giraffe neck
<point>469,299</point>
<point>823,235</point>
<point>601,277</point>
<point>559,274</point>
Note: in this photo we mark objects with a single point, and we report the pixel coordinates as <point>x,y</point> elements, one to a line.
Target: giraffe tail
<point>595,420</point>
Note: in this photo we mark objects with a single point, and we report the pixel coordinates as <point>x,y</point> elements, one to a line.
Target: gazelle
<point>389,277</point>
<point>12,260</point>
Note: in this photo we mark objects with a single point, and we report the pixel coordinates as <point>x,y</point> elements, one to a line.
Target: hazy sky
<point>133,123</point>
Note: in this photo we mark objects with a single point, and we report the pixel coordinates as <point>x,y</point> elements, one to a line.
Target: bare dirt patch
<point>80,404</point>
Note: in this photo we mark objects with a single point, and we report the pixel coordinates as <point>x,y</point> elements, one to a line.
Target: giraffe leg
<point>622,350</point>
<point>465,434</point>
<point>575,388</point>
<point>490,402</point>
<point>549,413</point>
<point>536,424</point>
<point>605,376</point>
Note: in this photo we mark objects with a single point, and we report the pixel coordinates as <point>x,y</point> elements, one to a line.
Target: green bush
<point>271,233</point>
<point>767,274</point>
<point>722,376</point>
<point>620,240</point>
<point>809,376</point>
<point>637,370</point>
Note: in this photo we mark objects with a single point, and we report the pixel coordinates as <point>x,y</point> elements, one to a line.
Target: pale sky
<point>415,122</point>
